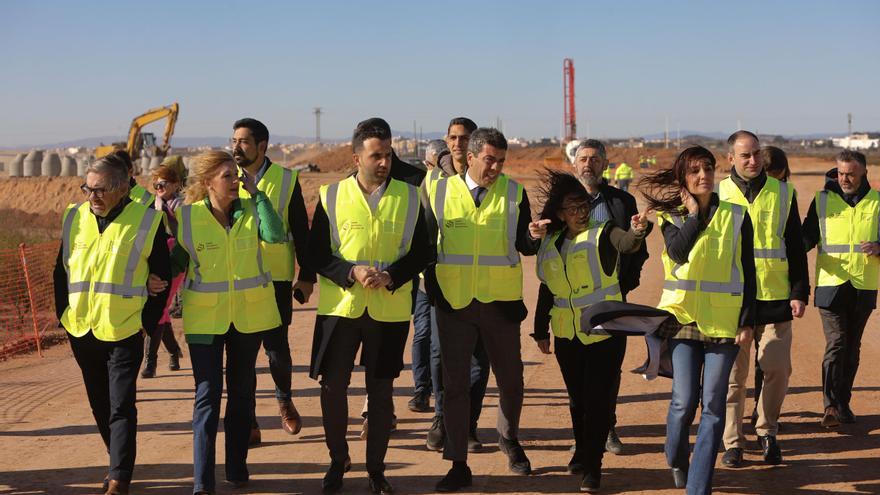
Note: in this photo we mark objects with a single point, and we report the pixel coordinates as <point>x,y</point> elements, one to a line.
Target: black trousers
<point>589,372</point>
<point>843,329</point>
<point>109,371</point>
<point>349,334</point>
<point>164,334</point>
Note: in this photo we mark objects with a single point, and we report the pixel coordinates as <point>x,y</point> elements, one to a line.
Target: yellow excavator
<point>138,141</point>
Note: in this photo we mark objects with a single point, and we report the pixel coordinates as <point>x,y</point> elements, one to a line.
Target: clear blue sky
<point>85,68</point>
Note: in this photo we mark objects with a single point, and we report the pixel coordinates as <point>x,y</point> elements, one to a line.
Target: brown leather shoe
<point>831,419</point>
<point>290,420</point>
<point>116,487</point>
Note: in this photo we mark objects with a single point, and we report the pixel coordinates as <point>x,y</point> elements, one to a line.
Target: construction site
<point>49,443</point>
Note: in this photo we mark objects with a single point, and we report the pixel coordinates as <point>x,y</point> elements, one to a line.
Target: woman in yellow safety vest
<point>577,266</point>
<point>228,300</point>
<point>709,289</point>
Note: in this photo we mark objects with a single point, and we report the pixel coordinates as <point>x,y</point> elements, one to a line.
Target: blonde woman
<point>228,300</point>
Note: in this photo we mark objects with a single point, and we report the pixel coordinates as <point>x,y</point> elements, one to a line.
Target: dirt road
<point>49,444</point>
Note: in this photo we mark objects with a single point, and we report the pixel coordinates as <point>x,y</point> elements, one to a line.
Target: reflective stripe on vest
<point>822,213</point>
<point>195,283</point>
<point>141,195</point>
<point>782,219</point>
<point>126,288</point>
<point>842,229</point>
<point>512,257</point>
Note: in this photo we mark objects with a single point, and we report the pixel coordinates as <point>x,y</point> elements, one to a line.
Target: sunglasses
<point>161,185</point>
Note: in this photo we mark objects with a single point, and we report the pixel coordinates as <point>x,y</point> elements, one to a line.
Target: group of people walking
<point>392,243</point>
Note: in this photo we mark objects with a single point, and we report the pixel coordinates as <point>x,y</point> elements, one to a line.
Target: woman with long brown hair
<point>709,290</point>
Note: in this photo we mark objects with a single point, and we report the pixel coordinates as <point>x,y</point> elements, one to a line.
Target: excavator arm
<point>148,117</point>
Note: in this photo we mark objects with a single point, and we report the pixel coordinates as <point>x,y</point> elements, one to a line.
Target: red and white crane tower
<point>568,99</point>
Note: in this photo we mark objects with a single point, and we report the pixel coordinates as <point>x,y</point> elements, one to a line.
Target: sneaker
<point>732,458</point>
<point>456,479</point>
<point>436,435</point>
<point>516,456</point>
<point>612,443</point>
<point>770,449</point>
<point>590,483</point>
<point>419,403</point>
<point>831,419</point>
<point>149,370</point>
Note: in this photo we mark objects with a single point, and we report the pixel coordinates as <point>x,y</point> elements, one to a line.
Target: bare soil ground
<point>49,444</point>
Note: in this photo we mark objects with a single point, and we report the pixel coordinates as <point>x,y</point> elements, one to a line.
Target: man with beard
<point>609,203</point>
<point>249,142</point>
<point>368,242</point>
<point>843,224</point>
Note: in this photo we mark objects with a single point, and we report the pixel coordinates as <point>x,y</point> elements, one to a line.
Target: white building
<point>857,142</point>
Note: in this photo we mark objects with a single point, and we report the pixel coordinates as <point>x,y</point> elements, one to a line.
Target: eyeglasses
<point>99,192</point>
<point>577,209</point>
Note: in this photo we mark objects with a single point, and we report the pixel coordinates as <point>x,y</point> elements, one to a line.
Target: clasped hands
<point>370,277</point>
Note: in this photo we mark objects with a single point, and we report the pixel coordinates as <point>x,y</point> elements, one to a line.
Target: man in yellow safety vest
<point>368,242</point>
<point>844,224</point>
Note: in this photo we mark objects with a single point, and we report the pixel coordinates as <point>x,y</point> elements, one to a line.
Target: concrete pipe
<point>144,166</point>
<point>155,162</point>
<point>31,166</point>
<point>81,165</point>
<point>68,166</point>
<point>15,166</point>
<point>51,165</point>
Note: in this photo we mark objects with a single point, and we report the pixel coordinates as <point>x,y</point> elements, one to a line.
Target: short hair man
<point>479,300</point>
<point>368,243</point>
<point>610,204</point>
<point>843,224</point>
<point>250,140</point>
<point>782,291</point>
<point>104,307</point>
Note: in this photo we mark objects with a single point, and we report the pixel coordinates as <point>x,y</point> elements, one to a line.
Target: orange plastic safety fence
<point>27,300</point>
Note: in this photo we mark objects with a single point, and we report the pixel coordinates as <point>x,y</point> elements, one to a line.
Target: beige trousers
<point>774,356</point>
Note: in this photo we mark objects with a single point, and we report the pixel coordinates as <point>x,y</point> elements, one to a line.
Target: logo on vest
<point>351,225</point>
<point>455,224</point>
<point>210,246</point>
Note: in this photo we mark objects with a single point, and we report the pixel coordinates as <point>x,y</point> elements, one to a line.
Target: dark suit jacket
<point>337,270</point>
<point>622,206</point>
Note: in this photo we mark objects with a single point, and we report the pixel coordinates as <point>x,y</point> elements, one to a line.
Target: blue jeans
<point>421,345</point>
<point>479,374</point>
<point>207,363</point>
<point>693,362</point>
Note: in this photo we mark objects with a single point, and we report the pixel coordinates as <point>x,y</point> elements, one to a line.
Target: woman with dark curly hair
<point>709,290</point>
<point>577,266</point>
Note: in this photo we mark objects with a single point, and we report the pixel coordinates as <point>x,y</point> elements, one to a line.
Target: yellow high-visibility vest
<point>476,247</point>
<point>278,183</point>
<point>708,288</point>
<point>623,172</point>
<point>364,237</point>
<point>769,214</point>
<point>226,281</point>
<point>107,271</point>
<point>842,229</point>
<point>576,282</point>
<point>140,195</point>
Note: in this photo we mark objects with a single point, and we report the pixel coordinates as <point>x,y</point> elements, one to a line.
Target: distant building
<point>856,141</point>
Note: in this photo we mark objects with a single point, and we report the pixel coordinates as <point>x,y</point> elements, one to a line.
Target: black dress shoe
<point>575,466</point>
<point>732,458</point>
<point>456,479</point>
<point>680,477</point>
<point>613,443</point>
<point>846,416</point>
<point>772,454</point>
<point>174,361</point>
<point>332,482</point>
<point>590,483</point>
<point>380,485</point>
<point>474,443</point>
<point>516,456</point>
